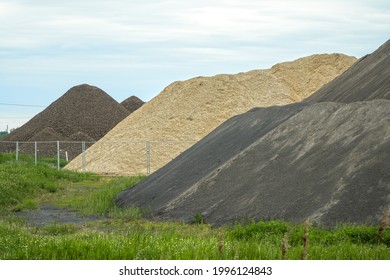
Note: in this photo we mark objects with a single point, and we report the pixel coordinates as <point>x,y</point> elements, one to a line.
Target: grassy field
<point>124,234</point>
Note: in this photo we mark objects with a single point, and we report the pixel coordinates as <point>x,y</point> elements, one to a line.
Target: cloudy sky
<point>137,47</point>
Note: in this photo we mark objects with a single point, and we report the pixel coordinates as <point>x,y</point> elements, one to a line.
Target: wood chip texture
<point>186,111</point>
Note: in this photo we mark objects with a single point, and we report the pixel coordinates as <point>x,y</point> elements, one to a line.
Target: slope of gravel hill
<point>326,161</point>
<point>367,79</point>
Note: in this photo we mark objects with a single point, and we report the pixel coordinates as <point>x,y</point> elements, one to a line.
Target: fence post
<point>35,153</point>
<point>83,156</point>
<point>17,150</point>
<point>58,156</point>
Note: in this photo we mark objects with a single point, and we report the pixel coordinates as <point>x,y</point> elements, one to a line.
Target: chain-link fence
<point>141,157</point>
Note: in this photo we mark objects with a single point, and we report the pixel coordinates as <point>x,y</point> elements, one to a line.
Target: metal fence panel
<point>139,157</point>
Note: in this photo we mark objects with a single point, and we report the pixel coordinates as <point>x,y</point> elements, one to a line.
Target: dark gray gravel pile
<point>367,79</point>
<point>327,161</point>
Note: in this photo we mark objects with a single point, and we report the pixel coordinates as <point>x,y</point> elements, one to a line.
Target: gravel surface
<point>367,79</point>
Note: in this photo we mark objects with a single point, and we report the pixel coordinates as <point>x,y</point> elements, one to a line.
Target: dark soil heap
<point>367,79</point>
<point>132,103</point>
<point>83,113</point>
<point>328,161</point>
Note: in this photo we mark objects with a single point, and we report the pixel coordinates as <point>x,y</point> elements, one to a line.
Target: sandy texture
<point>186,111</point>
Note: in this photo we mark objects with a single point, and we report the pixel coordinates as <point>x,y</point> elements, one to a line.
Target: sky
<point>138,47</point>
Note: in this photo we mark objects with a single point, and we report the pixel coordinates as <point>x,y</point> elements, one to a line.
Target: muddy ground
<point>48,214</point>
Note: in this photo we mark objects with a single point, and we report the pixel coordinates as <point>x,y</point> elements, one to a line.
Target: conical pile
<point>184,112</point>
<point>132,103</point>
<point>84,112</point>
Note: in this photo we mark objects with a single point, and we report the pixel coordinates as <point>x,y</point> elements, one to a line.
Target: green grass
<point>97,199</point>
<point>173,241</point>
<point>124,234</point>
<point>21,182</point>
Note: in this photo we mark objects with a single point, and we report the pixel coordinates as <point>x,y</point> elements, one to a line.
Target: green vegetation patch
<point>97,199</point>
<point>150,240</point>
<point>21,182</point>
<point>124,234</point>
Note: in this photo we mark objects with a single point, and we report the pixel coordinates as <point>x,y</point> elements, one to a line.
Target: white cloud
<point>94,23</point>
<point>167,40</point>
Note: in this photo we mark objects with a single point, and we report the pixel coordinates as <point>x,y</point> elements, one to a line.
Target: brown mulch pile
<point>83,113</point>
<point>132,103</point>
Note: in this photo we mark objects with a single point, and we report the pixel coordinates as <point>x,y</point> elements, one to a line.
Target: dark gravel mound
<point>208,155</point>
<point>80,136</point>
<point>132,103</point>
<point>47,148</point>
<point>49,134</point>
<point>327,161</point>
<point>83,113</point>
<point>367,79</point>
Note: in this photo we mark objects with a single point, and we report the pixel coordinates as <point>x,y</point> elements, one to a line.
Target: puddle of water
<point>48,214</point>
